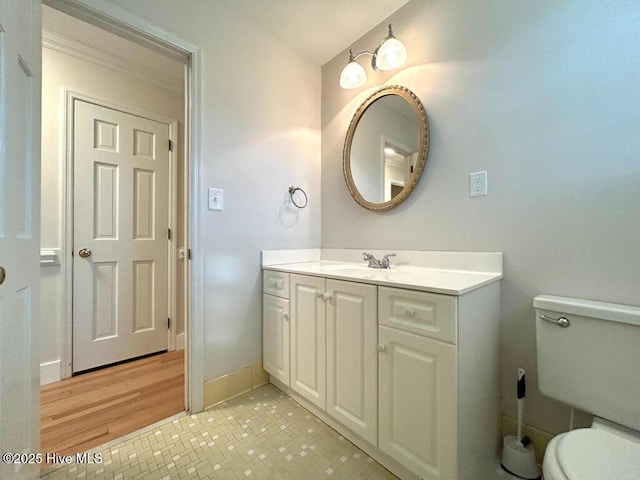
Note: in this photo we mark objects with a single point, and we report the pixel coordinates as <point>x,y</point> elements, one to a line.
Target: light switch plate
<point>216,199</point>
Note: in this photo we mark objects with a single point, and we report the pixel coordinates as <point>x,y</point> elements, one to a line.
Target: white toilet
<point>589,358</point>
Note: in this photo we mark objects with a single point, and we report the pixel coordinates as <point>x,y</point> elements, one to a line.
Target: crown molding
<point>87,53</point>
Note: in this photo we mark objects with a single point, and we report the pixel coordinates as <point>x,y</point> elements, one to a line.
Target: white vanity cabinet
<point>275,325</point>
<point>410,375</point>
<point>309,339</point>
<point>333,349</point>
<point>418,381</point>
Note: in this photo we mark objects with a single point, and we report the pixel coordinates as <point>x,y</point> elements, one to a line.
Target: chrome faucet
<point>375,263</point>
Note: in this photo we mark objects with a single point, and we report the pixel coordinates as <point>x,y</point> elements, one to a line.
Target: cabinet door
<point>308,339</point>
<point>352,359</point>
<point>275,337</point>
<point>418,403</point>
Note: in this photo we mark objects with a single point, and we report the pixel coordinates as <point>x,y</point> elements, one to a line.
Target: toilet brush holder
<point>518,459</point>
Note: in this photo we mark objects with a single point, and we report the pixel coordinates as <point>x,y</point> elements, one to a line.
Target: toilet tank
<point>593,364</point>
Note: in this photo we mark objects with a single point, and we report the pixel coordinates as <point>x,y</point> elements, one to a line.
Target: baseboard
<point>180,341</point>
<point>233,384</point>
<point>49,372</point>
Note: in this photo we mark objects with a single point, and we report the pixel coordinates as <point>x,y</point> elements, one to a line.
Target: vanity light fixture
<point>389,55</point>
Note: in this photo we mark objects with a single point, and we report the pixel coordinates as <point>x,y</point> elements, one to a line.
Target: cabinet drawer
<point>275,283</point>
<point>427,314</point>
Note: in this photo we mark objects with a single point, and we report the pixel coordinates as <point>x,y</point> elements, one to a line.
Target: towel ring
<point>293,190</point>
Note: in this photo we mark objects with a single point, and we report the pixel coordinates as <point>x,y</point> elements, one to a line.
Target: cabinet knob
<point>324,296</point>
<point>285,316</point>
<point>382,348</point>
<point>409,312</point>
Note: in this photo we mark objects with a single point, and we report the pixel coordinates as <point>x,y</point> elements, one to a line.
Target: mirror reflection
<point>385,149</point>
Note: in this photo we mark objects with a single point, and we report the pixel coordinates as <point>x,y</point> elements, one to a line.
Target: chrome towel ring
<point>292,191</point>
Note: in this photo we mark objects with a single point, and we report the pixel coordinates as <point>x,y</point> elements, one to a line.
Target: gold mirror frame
<point>421,116</point>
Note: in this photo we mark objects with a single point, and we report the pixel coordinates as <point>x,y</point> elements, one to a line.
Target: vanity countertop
<point>435,280</point>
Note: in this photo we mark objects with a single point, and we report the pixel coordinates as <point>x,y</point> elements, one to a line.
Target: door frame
<point>129,25</point>
<point>68,188</point>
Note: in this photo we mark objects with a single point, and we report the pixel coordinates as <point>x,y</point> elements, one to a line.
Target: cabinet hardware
<point>408,312</point>
<point>324,296</point>
<point>382,348</point>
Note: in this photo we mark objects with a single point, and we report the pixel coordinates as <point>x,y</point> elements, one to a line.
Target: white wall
<point>60,72</point>
<point>544,96</point>
<point>261,134</point>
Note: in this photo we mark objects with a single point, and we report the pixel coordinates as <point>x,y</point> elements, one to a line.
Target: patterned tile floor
<point>262,434</point>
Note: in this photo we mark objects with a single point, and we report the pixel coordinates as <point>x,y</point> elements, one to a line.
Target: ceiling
<point>318,29</point>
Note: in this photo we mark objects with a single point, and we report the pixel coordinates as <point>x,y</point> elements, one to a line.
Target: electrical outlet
<point>478,184</point>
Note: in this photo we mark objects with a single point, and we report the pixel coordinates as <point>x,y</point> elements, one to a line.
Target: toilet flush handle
<point>563,322</point>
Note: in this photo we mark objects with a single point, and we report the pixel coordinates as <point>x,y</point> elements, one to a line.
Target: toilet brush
<point>518,457</point>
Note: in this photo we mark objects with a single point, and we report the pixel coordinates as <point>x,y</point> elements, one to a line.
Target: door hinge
<point>168,324</point>
<point>171,145</point>
<point>189,254</point>
<point>169,233</point>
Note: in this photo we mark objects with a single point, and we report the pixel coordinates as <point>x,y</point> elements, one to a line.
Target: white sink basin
<point>354,270</point>
<point>342,266</point>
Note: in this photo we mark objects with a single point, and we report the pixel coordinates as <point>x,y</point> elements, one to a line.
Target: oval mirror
<point>386,147</point>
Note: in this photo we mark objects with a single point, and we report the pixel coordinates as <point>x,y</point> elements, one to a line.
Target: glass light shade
<point>391,54</point>
<point>353,76</point>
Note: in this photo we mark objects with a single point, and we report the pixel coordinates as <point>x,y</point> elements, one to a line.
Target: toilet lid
<point>588,454</point>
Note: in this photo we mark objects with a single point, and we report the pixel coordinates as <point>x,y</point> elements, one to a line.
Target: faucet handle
<point>385,260</point>
<point>366,256</point>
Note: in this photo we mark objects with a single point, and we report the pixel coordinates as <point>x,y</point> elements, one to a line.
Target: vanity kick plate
<point>427,314</point>
<point>275,283</point>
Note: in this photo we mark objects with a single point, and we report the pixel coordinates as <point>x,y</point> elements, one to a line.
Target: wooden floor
<point>88,410</point>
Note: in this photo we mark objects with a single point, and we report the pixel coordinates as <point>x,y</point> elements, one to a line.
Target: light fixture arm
<point>353,57</point>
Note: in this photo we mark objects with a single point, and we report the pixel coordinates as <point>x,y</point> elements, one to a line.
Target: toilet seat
<point>590,454</point>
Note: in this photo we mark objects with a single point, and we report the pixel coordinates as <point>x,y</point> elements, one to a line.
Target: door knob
<point>84,252</point>
<point>3,275</point>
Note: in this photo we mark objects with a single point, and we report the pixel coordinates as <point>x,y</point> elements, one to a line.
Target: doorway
<point>61,284</point>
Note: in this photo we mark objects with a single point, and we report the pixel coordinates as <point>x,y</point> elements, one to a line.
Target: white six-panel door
<point>19,234</point>
<point>120,241</point>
